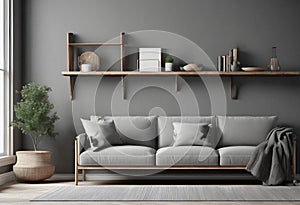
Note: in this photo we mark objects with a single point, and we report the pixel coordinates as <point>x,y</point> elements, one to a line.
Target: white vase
<point>33,165</point>
<point>168,67</point>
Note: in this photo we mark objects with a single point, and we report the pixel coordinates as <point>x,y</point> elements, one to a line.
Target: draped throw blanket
<point>272,160</point>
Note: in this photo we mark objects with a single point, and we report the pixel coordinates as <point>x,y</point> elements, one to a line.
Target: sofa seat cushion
<point>126,155</point>
<point>235,155</point>
<point>187,156</point>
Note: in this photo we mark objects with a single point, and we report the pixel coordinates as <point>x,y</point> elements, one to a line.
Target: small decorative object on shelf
<point>235,66</point>
<point>274,62</point>
<point>169,63</point>
<point>86,67</point>
<point>89,58</point>
<point>252,69</point>
<point>190,67</point>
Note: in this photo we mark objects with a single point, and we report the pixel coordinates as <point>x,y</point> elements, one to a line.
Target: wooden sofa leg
<point>76,162</point>
<point>83,175</point>
<point>76,176</point>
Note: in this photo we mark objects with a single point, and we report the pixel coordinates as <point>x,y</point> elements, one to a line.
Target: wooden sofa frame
<point>84,168</point>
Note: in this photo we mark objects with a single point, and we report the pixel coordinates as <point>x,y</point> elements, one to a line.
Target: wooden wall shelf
<point>95,44</point>
<point>70,52</point>
<point>180,73</point>
<point>233,90</point>
<point>73,74</point>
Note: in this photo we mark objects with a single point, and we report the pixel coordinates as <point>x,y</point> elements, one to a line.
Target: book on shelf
<point>220,63</point>
<point>235,54</point>
<point>225,61</point>
<point>228,63</point>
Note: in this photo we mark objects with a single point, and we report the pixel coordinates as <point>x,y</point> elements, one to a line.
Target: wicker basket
<point>33,165</point>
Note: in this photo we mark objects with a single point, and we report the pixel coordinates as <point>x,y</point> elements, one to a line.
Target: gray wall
<point>216,26</point>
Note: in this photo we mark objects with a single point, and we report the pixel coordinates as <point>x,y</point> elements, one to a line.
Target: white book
<point>149,59</point>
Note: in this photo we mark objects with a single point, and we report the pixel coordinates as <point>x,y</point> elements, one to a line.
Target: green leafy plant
<point>34,113</point>
<point>169,59</point>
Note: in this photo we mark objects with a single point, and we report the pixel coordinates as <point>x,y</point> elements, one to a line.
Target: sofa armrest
<point>80,145</point>
<point>82,142</point>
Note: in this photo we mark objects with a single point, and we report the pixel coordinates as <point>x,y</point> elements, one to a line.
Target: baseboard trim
<point>7,177</point>
<point>100,176</point>
<point>10,177</point>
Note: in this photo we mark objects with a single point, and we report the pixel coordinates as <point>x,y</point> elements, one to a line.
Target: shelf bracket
<point>71,88</point>
<point>72,83</point>
<point>176,83</point>
<point>123,87</point>
<point>233,90</point>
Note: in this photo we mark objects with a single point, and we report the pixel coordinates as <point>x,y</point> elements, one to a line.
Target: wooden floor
<point>21,193</point>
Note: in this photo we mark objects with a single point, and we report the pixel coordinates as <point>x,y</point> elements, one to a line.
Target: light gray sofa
<point>148,144</point>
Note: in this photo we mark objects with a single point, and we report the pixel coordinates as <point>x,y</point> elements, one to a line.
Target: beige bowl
<point>190,67</point>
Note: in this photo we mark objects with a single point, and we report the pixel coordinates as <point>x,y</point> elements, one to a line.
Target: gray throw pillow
<point>244,130</point>
<point>188,134</point>
<point>102,134</point>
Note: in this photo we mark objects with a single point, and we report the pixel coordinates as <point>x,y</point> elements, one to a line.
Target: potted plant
<point>168,63</point>
<point>35,119</point>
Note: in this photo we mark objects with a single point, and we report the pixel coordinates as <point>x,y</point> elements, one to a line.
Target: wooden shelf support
<point>70,38</point>
<point>233,89</point>
<point>123,87</point>
<point>176,83</point>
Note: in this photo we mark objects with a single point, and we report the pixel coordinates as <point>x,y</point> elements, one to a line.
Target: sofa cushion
<point>188,134</point>
<point>244,130</point>
<point>135,130</point>
<point>126,155</point>
<point>235,155</point>
<point>102,134</point>
<point>165,128</point>
<point>187,156</point>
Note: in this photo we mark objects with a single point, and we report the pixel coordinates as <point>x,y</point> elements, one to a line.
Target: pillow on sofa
<point>166,128</point>
<point>188,134</point>
<point>244,130</point>
<point>134,130</point>
<point>102,134</point>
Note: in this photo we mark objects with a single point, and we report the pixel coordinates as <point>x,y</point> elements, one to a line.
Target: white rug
<point>172,193</point>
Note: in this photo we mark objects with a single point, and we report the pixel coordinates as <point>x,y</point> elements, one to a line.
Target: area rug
<point>172,193</point>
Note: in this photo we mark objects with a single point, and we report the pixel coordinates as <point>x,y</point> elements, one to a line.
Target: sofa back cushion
<point>244,130</point>
<point>165,128</point>
<point>135,130</point>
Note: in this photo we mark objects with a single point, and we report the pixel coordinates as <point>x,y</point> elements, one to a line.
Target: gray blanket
<point>271,162</point>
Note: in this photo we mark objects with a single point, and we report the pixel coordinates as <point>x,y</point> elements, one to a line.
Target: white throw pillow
<point>188,134</point>
<point>102,134</point>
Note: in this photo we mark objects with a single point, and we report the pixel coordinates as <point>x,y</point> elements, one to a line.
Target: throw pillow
<point>102,134</point>
<point>96,118</point>
<point>188,134</point>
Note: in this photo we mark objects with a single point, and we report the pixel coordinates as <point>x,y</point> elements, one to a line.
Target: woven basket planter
<point>33,165</point>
